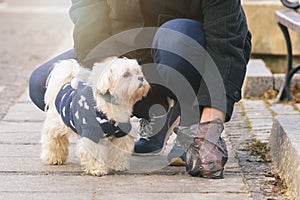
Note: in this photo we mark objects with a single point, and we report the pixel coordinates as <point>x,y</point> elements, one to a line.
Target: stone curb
<point>259,79</point>
<point>285,151</point>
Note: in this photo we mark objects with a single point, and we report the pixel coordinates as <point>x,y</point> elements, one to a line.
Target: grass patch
<point>279,184</point>
<point>261,149</point>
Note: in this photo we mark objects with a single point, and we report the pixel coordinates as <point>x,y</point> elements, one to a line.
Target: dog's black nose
<point>140,78</point>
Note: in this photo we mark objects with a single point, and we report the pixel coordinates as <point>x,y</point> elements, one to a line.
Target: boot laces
<point>145,129</point>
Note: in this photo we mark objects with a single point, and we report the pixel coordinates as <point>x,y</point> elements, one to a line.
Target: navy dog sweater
<point>77,107</point>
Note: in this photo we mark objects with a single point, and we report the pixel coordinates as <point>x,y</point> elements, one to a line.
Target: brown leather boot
<point>207,155</point>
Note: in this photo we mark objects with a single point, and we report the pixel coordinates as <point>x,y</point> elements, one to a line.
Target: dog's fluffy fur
<point>121,78</point>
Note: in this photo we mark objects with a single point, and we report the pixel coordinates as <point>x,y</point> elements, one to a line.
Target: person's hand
<point>208,154</point>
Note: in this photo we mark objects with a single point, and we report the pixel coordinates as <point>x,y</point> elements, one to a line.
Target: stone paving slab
<point>46,195</point>
<point>284,109</point>
<point>119,187</point>
<point>260,118</point>
<point>25,97</point>
<point>171,196</point>
<point>19,138</point>
<point>24,112</point>
<point>20,127</point>
<point>170,183</point>
<point>1,88</point>
<point>27,165</point>
<point>23,132</point>
<point>48,184</point>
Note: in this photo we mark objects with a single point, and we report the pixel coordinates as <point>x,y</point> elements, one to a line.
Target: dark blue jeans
<point>178,51</point>
<point>180,79</point>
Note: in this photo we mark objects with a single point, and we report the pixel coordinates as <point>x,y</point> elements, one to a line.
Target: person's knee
<point>179,38</point>
<point>182,31</point>
<point>35,88</point>
<point>182,25</point>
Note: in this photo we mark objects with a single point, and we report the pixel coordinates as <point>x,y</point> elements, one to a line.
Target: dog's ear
<point>103,82</point>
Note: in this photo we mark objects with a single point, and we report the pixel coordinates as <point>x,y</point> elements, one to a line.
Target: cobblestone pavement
<point>247,175</point>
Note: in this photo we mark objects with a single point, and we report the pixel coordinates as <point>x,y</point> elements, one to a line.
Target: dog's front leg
<point>119,151</point>
<point>93,156</point>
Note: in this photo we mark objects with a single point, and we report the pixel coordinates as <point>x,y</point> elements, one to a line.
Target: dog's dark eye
<point>126,74</point>
<point>137,72</point>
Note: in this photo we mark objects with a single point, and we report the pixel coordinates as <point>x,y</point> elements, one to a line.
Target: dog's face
<point>123,79</point>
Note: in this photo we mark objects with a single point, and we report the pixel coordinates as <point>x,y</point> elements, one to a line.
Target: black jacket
<point>228,40</point>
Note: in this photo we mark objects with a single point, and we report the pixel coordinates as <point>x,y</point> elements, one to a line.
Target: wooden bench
<point>288,19</point>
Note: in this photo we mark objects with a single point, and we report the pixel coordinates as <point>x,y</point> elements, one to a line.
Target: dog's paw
<point>55,151</point>
<point>94,167</point>
<point>118,166</point>
<point>53,159</point>
<point>96,172</point>
<point>92,157</point>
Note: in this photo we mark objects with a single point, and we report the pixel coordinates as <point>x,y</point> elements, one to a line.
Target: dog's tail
<point>63,72</point>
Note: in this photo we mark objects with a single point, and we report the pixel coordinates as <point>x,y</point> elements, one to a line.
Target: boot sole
<point>177,162</point>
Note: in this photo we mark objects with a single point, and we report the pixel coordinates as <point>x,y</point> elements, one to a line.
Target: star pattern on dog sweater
<point>82,102</point>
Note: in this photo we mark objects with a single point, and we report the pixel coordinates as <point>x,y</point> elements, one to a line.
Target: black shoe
<point>156,135</point>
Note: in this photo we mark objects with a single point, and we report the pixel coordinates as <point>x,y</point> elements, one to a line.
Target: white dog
<point>99,111</point>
